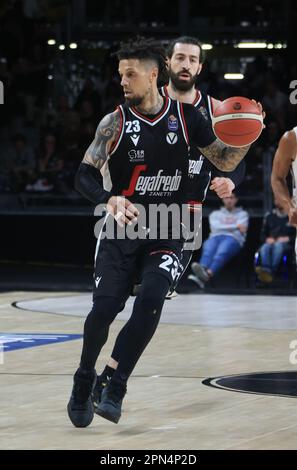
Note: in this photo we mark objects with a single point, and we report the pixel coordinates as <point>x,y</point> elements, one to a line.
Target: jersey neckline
<point>196,100</point>
<point>151,118</point>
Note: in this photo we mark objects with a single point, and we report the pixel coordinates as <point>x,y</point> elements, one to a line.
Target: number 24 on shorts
<point>170,265</point>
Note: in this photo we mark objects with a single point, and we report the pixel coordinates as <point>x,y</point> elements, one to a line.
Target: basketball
<point>237,121</point>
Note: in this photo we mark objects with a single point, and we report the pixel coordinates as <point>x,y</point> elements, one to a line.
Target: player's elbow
<point>231,166</point>
<point>276,180</point>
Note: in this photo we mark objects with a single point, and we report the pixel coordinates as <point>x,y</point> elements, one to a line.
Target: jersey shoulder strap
<point>163,91</point>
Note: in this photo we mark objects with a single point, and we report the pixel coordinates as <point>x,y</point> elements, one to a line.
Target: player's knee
<point>104,310</point>
<point>151,302</point>
<point>152,293</point>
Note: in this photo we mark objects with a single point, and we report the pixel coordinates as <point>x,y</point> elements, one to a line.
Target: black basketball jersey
<point>201,171</point>
<point>149,160</point>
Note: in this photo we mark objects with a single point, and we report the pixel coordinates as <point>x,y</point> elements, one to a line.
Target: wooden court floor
<point>167,406</point>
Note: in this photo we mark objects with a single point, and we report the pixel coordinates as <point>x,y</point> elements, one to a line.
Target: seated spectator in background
<point>228,227</point>
<point>20,160</point>
<point>50,160</point>
<point>50,165</point>
<point>278,239</point>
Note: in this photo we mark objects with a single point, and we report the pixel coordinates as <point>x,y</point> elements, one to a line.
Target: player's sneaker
<point>80,406</point>
<point>110,406</point>
<point>171,294</point>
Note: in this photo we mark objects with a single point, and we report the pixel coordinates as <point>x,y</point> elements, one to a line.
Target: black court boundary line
<point>35,374</point>
<point>204,381</point>
<point>14,304</point>
<point>208,383</point>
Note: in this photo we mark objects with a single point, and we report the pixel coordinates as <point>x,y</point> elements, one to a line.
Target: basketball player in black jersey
<point>184,60</point>
<point>142,152</point>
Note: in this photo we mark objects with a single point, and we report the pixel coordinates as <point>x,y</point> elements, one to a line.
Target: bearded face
<point>183,80</point>
<point>184,66</point>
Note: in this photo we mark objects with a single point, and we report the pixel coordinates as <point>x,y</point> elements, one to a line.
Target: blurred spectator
<point>50,165</point>
<point>275,103</point>
<point>89,93</point>
<point>228,227</point>
<point>278,239</point>
<point>72,156</point>
<point>271,134</point>
<point>254,78</point>
<point>20,162</point>
<point>49,159</point>
<point>113,97</point>
<point>70,129</point>
<point>87,112</point>
<point>86,136</point>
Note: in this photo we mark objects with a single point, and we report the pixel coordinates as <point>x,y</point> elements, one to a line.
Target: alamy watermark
<point>293,354</point>
<point>1,93</point>
<point>157,222</point>
<point>293,94</point>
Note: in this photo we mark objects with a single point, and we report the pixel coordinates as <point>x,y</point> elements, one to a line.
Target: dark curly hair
<point>185,40</point>
<point>145,49</point>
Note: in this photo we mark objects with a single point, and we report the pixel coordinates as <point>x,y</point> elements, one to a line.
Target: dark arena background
<point>221,370</point>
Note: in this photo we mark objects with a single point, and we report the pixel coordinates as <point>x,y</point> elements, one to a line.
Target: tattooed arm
<point>106,133</point>
<point>88,179</point>
<point>223,157</point>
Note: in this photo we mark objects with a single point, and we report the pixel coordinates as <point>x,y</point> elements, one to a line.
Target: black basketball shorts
<point>119,262</point>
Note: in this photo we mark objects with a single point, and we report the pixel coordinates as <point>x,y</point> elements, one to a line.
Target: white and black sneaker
<point>171,294</point>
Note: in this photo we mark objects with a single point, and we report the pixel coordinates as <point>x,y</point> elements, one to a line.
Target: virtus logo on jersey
<point>171,138</point>
<point>152,185</point>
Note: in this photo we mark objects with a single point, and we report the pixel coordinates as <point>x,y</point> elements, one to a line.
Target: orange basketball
<point>237,121</point>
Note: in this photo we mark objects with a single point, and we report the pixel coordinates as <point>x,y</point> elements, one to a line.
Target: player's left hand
<point>223,187</point>
<point>260,107</point>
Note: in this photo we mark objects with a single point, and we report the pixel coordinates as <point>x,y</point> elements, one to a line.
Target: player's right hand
<point>122,210</point>
<point>222,186</point>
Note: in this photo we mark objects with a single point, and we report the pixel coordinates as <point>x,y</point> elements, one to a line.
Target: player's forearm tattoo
<point>106,132</point>
<point>223,157</point>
